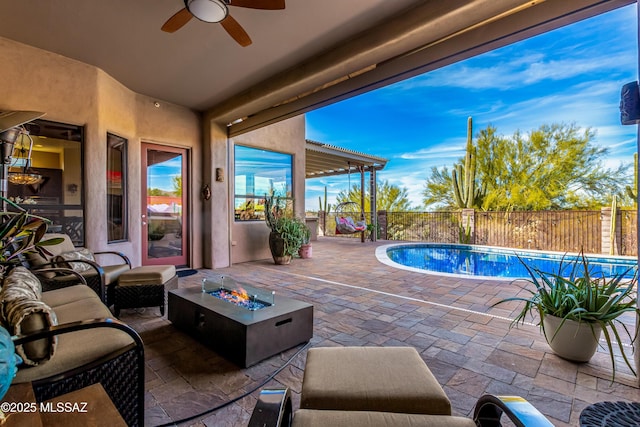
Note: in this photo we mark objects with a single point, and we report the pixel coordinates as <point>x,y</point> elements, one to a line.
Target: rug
<point>186,272</point>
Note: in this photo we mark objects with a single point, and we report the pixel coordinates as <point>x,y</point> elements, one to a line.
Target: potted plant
<point>305,249</point>
<point>575,307</point>
<point>287,231</point>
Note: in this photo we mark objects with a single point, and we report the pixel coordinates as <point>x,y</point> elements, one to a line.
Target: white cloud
<point>589,104</point>
<point>516,72</point>
<point>447,150</point>
<point>413,182</point>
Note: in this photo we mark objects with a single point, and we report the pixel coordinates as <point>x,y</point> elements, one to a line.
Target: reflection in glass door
<point>164,236</point>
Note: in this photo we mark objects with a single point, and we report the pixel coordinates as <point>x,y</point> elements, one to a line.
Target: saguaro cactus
<point>323,205</point>
<point>464,185</point>
<point>322,213</point>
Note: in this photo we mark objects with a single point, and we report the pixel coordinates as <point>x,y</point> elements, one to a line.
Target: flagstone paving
<point>359,301</point>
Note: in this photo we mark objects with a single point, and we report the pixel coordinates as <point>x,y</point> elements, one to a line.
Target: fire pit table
<point>242,323</point>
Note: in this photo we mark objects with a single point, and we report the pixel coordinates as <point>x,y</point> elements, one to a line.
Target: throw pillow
<point>65,260</point>
<point>21,283</point>
<point>22,312</point>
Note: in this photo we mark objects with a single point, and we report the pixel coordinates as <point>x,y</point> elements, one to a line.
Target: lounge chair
<point>101,277</point>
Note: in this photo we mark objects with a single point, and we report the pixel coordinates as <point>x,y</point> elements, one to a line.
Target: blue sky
<point>573,74</point>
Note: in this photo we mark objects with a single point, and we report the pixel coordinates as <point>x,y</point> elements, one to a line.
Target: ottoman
<point>144,287</point>
<point>383,379</point>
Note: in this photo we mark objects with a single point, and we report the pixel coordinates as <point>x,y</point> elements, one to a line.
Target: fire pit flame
<point>230,291</point>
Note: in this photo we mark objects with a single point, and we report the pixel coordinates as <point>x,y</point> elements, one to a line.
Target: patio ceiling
<point>328,160</point>
<point>312,53</point>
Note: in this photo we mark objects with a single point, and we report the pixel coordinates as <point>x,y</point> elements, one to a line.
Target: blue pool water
<point>491,262</point>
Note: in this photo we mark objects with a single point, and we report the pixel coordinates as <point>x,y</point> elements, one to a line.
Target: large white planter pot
<point>636,347</point>
<point>575,341</point>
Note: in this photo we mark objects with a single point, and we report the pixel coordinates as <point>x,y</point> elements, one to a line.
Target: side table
<point>89,406</point>
<point>22,393</point>
<point>611,414</point>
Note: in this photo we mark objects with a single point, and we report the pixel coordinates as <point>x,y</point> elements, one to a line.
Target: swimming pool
<point>487,262</point>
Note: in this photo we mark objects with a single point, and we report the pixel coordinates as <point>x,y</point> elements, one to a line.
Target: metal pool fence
<point>593,231</point>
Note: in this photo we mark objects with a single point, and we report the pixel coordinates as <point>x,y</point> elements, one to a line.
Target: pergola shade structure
<point>328,160</point>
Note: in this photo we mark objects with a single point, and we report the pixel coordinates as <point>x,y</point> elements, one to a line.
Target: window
<point>56,157</point>
<point>258,173</point>
<point>116,188</point>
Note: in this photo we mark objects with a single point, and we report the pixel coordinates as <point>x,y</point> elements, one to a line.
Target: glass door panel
<point>164,204</point>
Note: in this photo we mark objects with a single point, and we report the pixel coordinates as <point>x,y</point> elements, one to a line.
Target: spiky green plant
<point>464,181</point>
<point>322,203</point>
<point>581,297</point>
<point>633,192</point>
<point>464,234</point>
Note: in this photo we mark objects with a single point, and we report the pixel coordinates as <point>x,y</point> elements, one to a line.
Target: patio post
<point>373,192</point>
<point>361,168</point>
<point>382,223</point>
<point>636,343</point>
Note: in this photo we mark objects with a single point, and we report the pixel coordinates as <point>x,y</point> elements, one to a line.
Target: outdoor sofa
<point>69,340</point>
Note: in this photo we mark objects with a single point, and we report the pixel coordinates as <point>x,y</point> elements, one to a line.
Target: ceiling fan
<point>217,11</point>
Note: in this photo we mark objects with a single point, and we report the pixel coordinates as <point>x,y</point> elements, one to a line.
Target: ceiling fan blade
<point>177,21</point>
<point>259,4</point>
<point>236,31</point>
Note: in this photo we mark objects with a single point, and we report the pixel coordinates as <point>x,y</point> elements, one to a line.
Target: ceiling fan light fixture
<point>207,10</point>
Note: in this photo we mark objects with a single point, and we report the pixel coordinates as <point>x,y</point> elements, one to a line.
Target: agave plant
<point>21,232</point>
<point>575,293</point>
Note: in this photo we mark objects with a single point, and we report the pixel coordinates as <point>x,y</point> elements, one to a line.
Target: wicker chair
<point>121,375</point>
<point>121,372</point>
<point>101,278</point>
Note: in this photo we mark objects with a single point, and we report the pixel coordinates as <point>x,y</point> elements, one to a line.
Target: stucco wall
<point>76,93</point>
<point>215,228</point>
<point>249,240</point>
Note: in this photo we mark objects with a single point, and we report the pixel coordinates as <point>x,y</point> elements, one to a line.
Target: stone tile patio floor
<point>359,301</point>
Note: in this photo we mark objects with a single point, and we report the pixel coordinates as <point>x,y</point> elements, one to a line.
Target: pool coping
<point>381,255</point>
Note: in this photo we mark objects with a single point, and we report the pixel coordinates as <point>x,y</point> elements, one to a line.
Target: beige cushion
<point>147,275</point>
<point>325,418</point>
<point>36,259</point>
<point>22,312</point>
<point>67,295</point>
<point>78,348</point>
<point>389,379</point>
<point>65,253</point>
<point>112,272</point>
<point>82,309</point>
